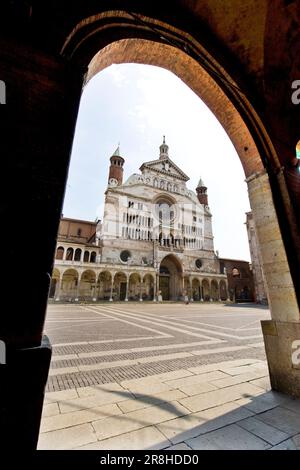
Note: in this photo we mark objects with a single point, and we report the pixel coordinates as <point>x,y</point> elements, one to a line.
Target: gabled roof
<point>165,167</point>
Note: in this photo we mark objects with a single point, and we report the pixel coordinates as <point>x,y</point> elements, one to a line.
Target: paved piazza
<point>158,376</point>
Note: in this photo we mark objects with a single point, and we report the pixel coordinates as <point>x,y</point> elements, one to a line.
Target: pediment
<point>166,167</point>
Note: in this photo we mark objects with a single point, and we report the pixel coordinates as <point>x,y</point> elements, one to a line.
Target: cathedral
<point>154,241</point>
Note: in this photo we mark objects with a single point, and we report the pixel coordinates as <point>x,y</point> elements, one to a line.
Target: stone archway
<point>170,278</point>
<point>148,291</point>
<point>69,284</point>
<point>55,285</point>
<point>182,54</point>
<point>87,288</point>
<point>104,285</point>
<point>205,290</point>
<point>120,286</point>
<point>134,286</point>
<point>196,289</point>
<point>214,289</point>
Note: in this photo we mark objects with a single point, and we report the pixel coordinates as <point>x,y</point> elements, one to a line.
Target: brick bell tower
<point>115,176</point>
<point>202,193</point>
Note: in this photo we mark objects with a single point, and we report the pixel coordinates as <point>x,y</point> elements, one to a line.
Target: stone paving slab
<point>138,419</point>
<point>101,398</point>
<point>266,432</point>
<point>231,437</point>
<point>219,397</point>
<point>146,438</point>
<point>195,424</point>
<point>143,401</point>
<point>66,420</point>
<point>50,409</point>
<point>69,438</point>
<point>282,419</point>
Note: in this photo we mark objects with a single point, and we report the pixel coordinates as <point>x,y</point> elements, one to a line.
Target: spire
<point>202,193</point>
<point>201,184</point>
<point>115,176</point>
<point>117,152</point>
<point>163,149</point>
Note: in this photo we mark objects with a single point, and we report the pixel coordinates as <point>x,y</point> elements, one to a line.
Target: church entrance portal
<point>170,278</point>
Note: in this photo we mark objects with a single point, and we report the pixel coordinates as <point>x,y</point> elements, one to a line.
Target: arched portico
<point>120,286</point>
<point>54,291</point>
<point>104,285</point>
<point>196,289</point>
<point>87,288</point>
<point>148,290</point>
<point>214,290</point>
<point>206,290</point>
<point>134,287</point>
<point>70,285</point>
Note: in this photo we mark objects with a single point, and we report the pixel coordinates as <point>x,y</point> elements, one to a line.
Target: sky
<point>135,105</point>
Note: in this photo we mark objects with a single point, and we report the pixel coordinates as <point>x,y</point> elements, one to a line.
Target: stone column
<point>94,296</point>
<point>127,285</point>
<point>201,295</point>
<point>76,298</point>
<point>283,330</point>
<point>227,292</point>
<point>141,290</point>
<point>57,291</point>
<point>210,297</point>
<point>155,287</point>
<point>111,287</point>
<point>191,289</point>
<point>219,286</point>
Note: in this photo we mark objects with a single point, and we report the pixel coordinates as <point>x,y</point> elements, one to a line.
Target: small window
<point>194,218</point>
<point>198,263</point>
<point>130,204</point>
<point>79,231</point>
<point>235,272</point>
<point>125,256</point>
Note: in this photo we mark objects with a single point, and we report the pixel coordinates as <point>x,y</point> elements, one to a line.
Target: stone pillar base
<point>23,379</point>
<point>282,344</point>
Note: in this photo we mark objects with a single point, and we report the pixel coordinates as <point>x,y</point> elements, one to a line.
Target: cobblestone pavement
<point>103,343</point>
<point>171,376</point>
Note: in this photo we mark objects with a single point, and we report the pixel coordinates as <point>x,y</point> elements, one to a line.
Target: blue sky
<point>136,105</point>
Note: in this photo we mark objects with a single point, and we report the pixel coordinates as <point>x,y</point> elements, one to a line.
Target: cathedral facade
<point>154,241</point>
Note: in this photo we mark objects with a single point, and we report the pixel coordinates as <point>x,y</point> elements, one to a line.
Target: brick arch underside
<point>141,51</point>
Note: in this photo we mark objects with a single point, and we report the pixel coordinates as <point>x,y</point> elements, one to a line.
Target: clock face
<point>113,182</point>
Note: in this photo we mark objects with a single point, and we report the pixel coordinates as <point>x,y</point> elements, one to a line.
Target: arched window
<point>93,257</point>
<point>60,252</point>
<point>69,255</point>
<point>86,256</point>
<point>235,272</point>
<point>77,256</point>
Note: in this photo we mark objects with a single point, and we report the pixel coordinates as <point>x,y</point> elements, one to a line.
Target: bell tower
<point>202,193</point>
<point>115,176</point>
<point>163,150</point>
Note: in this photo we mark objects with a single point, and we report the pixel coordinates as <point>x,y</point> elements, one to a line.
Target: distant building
<point>239,278</point>
<point>260,287</point>
<point>155,237</point>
